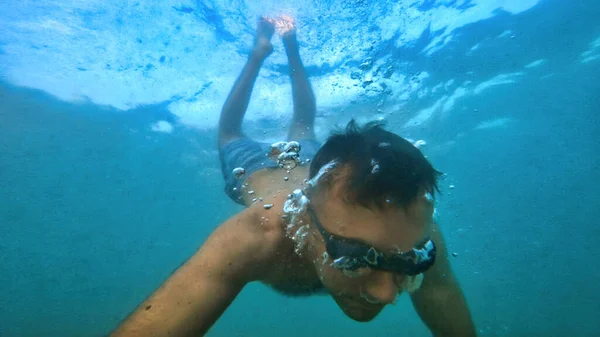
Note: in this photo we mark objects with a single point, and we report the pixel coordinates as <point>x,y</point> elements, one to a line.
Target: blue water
<point>97,209</point>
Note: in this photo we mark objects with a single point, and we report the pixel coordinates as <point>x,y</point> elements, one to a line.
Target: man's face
<point>363,293</point>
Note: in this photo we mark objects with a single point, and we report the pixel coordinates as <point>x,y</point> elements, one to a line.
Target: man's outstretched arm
<point>196,295</point>
<point>440,302</point>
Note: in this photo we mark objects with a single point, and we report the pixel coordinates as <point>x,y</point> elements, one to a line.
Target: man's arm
<point>440,302</point>
<point>196,295</point>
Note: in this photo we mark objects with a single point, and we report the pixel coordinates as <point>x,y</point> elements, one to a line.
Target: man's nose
<point>381,286</point>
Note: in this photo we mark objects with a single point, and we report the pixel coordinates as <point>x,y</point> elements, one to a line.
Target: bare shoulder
<point>250,241</point>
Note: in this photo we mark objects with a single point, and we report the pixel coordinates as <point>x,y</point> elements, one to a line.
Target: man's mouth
<point>362,304</point>
<point>365,297</point>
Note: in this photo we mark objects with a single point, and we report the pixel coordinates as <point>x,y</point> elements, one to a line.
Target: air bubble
<point>276,149</point>
<point>325,169</point>
<point>428,197</point>
<point>292,147</point>
<point>296,204</point>
<point>419,143</point>
<point>299,238</point>
<point>286,154</point>
<point>374,166</point>
<point>325,258</point>
<point>238,172</point>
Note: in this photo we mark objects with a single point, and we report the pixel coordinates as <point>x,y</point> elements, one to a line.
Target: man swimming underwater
<point>352,218</point>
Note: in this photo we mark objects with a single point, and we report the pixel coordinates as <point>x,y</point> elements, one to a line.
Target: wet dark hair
<point>381,167</point>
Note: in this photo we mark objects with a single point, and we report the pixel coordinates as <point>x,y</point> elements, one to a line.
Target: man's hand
<point>440,302</point>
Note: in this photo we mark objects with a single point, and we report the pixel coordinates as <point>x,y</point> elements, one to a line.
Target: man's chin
<point>360,314</point>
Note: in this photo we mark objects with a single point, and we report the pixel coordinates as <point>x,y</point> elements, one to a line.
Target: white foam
<point>493,123</point>
<point>505,34</point>
<point>535,63</point>
<point>591,58</point>
<point>593,53</point>
<point>437,87</point>
<point>448,19</point>
<point>446,103</point>
<point>162,126</point>
<point>118,47</point>
<point>425,114</point>
<point>497,80</point>
<point>596,43</point>
<point>458,93</point>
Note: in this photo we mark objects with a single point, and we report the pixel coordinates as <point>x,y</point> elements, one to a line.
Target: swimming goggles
<point>352,254</point>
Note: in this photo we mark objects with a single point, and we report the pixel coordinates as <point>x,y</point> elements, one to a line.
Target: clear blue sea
<point>110,176</point>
